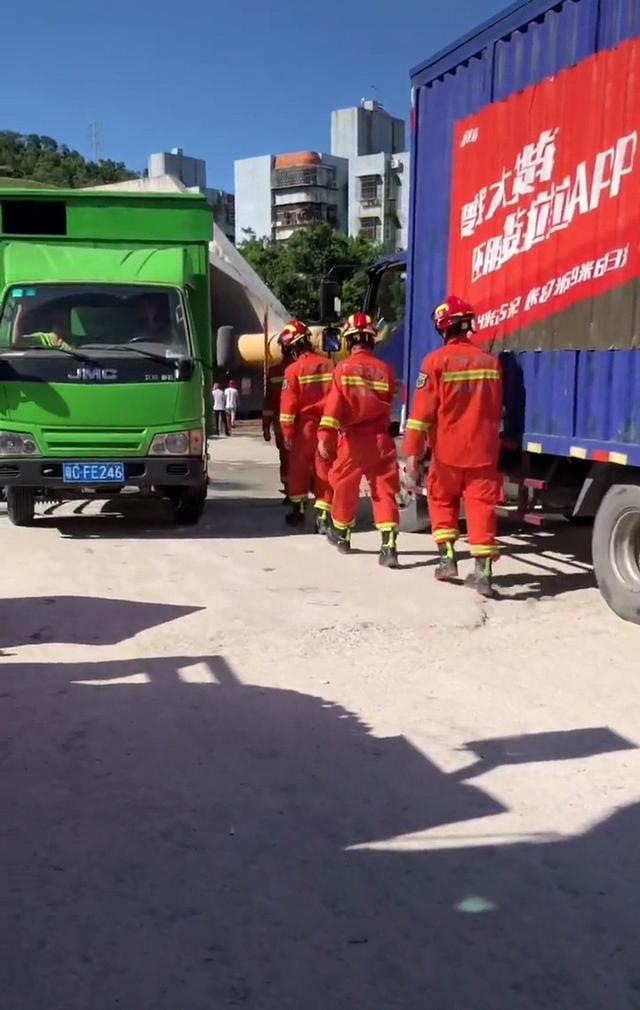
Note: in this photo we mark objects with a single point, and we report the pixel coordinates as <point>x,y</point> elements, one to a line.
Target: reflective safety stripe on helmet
<point>293,333</point>
<point>359,322</point>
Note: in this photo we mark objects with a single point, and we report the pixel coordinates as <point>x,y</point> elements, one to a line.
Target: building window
<point>370,228</point>
<point>323,176</point>
<point>370,194</point>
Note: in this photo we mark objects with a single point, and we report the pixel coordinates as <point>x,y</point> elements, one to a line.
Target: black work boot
<point>482,578</point>
<point>447,569</point>
<point>388,556</point>
<point>296,516</point>
<point>340,539</point>
<point>323,521</point>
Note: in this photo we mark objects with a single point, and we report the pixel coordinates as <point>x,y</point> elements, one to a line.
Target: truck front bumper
<point>144,471</point>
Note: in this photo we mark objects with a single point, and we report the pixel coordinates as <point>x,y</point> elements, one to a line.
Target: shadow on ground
<point>81,620</point>
<point>181,841</point>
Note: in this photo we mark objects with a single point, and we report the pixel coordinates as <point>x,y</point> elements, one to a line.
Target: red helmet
<point>453,312</point>
<point>293,333</point>
<point>359,325</point>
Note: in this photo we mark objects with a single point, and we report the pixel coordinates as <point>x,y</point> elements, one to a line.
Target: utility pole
<point>96,140</point>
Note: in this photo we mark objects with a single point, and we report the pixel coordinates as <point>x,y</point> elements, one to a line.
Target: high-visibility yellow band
<point>386,527</point>
<point>322,506</point>
<point>287,418</point>
<point>342,526</point>
<point>471,375</point>
<point>444,536</point>
<point>413,425</point>
<point>358,380</point>
<point>319,377</point>
<point>297,499</point>
<point>484,550</point>
<point>329,422</point>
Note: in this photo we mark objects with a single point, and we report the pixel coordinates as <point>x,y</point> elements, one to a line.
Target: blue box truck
<point>525,200</point>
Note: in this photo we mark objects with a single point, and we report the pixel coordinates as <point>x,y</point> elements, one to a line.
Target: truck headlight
<point>18,443</point>
<point>177,443</point>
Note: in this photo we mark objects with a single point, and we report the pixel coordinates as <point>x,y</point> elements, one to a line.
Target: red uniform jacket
<point>271,405</point>
<point>360,397</point>
<point>304,390</point>
<point>458,403</point>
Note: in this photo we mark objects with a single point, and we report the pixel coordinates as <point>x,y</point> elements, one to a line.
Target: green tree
<point>293,268</point>
<point>40,159</point>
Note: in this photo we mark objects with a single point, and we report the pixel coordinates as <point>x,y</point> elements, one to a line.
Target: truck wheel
<point>616,550</point>
<point>21,505</point>
<point>187,504</point>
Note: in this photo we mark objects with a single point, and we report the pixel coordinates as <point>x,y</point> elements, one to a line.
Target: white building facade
<point>361,188</point>
<point>192,173</point>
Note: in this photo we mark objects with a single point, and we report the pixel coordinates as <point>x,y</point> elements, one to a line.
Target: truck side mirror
<point>331,340</point>
<point>329,300</point>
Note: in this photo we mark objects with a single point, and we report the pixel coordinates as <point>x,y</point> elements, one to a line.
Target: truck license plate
<point>93,473</point>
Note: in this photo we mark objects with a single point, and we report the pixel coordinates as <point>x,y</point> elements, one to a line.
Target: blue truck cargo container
<point>572,370</point>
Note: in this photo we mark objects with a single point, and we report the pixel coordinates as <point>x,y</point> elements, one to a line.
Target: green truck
<point>105,347</point>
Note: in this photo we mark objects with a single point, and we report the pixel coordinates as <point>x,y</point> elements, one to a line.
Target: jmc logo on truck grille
<point>84,374</point>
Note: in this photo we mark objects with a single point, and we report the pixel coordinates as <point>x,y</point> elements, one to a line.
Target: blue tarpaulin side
<point>590,394</point>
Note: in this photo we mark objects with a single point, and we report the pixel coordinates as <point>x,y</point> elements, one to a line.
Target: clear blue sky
<point>223,79</point>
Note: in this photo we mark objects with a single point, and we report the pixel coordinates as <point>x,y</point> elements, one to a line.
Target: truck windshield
<point>85,316</point>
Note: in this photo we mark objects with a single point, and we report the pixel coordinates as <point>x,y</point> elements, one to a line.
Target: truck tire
<point>187,504</point>
<point>225,346</point>
<point>21,505</point>
<point>616,550</point>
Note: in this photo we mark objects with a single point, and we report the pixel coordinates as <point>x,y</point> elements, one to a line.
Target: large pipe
<point>250,347</point>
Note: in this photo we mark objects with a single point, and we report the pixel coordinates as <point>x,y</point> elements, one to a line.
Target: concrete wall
<point>253,196</point>
<point>190,171</point>
<point>367,129</point>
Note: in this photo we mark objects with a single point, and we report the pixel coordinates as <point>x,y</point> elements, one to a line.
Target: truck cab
<point>105,348</point>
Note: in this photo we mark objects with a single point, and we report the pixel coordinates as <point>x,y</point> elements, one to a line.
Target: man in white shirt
<point>231,402</point>
<point>219,411</point>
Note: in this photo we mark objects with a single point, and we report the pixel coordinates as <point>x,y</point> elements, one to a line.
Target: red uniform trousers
<point>307,470</point>
<point>479,488</point>
<point>373,456</point>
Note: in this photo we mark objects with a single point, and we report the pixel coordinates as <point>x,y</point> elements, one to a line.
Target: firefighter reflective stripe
<point>386,527</point>
<point>413,425</point>
<point>343,527</point>
<point>330,422</point>
<point>445,536</point>
<point>316,377</point>
<point>358,380</point>
<point>484,550</point>
<point>322,506</point>
<point>287,418</point>
<point>472,375</point>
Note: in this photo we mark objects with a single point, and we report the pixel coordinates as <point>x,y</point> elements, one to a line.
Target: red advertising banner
<point>545,207</point>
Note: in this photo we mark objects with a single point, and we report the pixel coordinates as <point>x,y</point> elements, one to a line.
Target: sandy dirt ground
<point>240,770</point>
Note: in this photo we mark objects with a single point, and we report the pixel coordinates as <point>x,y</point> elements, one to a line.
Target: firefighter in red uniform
<point>458,406</point>
<point>359,407</point>
<point>271,416</point>
<point>306,383</point>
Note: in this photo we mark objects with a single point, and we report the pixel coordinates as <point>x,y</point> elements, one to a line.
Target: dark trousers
<point>222,421</point>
